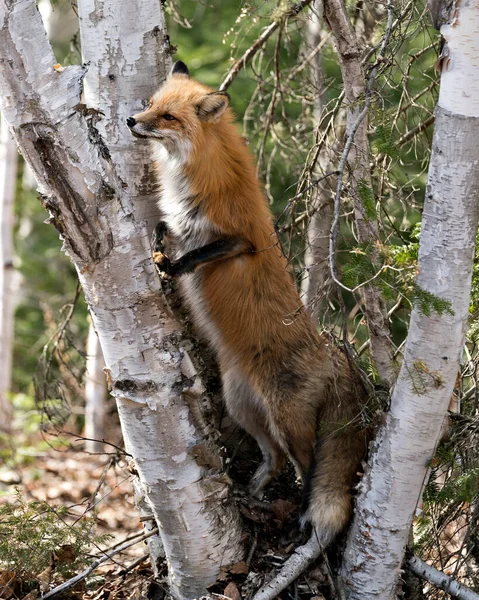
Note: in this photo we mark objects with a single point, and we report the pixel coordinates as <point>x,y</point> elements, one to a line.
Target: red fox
<point>286,385</point>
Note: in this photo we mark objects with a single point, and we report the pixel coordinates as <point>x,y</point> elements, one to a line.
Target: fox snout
<point>138,128</point>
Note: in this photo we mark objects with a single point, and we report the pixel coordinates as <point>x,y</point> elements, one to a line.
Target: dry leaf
<point>45,578</point>
<point>7,582</point>
<point>33,595</point>
<point>66,554</point>
<point>223,574</point>
<point>282,509</point>
<point>239,568</point>
<point>231,591</point>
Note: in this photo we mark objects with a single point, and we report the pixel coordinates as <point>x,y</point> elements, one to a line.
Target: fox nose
<point>131,122</point>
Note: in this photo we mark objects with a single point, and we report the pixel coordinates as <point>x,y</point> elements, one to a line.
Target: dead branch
<point>300,560</point>
<point>409,135</point>
<point>440,580</point>
<point>260,42</point>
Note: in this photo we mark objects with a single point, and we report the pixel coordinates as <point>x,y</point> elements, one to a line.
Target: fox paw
<point>163,264</point>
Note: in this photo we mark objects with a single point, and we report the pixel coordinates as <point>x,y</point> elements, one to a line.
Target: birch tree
<point>91,179</point>
<point>316,275</point>
<point>95,393</point>
<point>8,177</point>
<point>405,446</point>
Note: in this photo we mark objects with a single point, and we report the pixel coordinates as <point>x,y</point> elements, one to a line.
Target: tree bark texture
<point>8,178</point>
<point>354,81</point>
<point>90,199</point>
<point>405,446</point>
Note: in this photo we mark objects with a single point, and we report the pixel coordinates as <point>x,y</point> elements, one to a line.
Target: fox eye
<point>169,117</point>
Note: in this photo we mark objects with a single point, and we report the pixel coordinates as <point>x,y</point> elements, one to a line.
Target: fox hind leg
<point>247,408</point>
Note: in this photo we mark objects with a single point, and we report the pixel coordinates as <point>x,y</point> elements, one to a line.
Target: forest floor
<point>100,486</point>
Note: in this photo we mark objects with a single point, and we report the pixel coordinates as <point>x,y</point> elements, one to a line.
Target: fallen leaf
<point>45,578</point>
<point>66,554</point>
<point>231,591</point>
<point>282,509</point>
<point>239,568</point>
<point>7,582</point>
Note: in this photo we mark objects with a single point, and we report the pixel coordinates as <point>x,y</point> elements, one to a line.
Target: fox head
<point>180,113</point>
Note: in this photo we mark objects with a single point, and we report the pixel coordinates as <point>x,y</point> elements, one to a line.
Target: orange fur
<point>283,382</point>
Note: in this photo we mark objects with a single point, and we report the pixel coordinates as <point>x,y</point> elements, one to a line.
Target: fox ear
<point>179,68</point>
<point>212,106</point>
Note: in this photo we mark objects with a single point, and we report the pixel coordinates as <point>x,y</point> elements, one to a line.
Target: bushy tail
<point>327,500</point>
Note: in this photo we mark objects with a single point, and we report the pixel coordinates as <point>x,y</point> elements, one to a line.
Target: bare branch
<point>261,41</point>
<point>440,580</point>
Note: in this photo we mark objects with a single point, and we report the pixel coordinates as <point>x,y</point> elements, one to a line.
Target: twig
<point>440,580</point>
<point>252,550</point>
<point>74,580</point>
<point>409,135</point>
<point>300,194</point>
<point>134,564</point>
<point>262,39</point>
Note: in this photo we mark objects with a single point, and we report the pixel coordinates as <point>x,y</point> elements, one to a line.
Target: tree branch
<point>440,580</point>
<point>261,41</point>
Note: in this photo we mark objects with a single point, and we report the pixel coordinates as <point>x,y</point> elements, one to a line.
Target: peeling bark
<point>92,204</point>
<point>399,463</point>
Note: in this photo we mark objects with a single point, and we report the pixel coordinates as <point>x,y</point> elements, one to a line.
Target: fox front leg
<point>221,249</point>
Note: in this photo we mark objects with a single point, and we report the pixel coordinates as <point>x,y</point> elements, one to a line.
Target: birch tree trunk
<point>95,393</point>
<point>406,444</point>
<point>8,178</point>
<point>316,274</point>
<point>90,199</point>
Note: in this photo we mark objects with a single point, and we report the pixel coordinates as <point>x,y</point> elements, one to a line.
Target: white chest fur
<point>177,203</point>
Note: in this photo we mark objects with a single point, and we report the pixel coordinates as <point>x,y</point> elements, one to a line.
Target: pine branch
<point>66,585</point>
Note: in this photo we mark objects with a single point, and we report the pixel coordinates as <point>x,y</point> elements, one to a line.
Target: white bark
<point>95,393</point>
<point>300,560</point>
<point>8,178</point>
<point>150,374</point>
<point>405,445</point>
